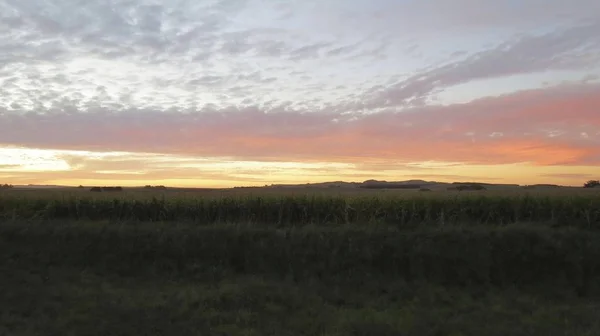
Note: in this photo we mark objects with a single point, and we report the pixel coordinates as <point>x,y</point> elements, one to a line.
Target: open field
<point>299,207</point>
<point>252,262</point>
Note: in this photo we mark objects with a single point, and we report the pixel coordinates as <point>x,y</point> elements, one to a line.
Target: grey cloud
<point>178,55</point>
<point>149,18</point>
<point>202,44</point>
<point>207,80</point>
<point>179,28</point>
<point>235,46</point>
<point>308,51</point>
<point>462,16</point>
<point>121,24</point>
<point>339,50</point>
<point>270,48</point>
<point>558,50</point>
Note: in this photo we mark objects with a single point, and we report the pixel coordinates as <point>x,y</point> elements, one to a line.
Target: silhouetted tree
<point>154,187</point>
<point>98,189</point>
<point>112,189</point>
<point>592,184</point>
<point>468,187</point>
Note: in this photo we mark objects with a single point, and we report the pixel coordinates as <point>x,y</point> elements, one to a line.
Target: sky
<point>220,93</point>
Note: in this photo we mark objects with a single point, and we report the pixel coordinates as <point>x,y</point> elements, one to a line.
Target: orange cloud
<point>553,126</point>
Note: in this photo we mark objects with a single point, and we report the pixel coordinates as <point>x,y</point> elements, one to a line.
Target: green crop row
<point>578,211</point>
<point>503,257</point>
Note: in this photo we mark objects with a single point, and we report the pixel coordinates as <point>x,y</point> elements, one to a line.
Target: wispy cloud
<point>135,169</point>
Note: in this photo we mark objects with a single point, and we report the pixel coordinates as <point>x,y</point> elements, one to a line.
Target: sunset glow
<point>226,93</point>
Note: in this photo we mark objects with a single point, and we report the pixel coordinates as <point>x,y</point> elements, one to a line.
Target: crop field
<point>300,262</point>
<point>302,207</point>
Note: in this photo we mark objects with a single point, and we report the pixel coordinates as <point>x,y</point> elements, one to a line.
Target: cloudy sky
<point>253,92</point>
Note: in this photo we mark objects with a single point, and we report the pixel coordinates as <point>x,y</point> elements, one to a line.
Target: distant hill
<point>542,186</point>
<point>368,184</point>
<point>35,186</point>
<point>334,184</point>
<point>377,184</point>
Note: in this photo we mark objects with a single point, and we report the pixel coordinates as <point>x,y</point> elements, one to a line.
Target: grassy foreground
<point>94,278</point>
<point>65,301</point>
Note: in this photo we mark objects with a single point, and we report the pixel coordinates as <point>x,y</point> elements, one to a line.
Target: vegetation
<point>6,186</point>
<point>100,189</point>
<point>469,186</point>
<point>258,263</point>
<point>592,184</point>
<point>582,211</point>
<point>162,187</point>
<point>387,185</point>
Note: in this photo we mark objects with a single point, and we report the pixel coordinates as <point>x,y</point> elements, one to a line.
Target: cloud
<point>105,49</point>
<point>447,177</point>
<point>563,49</point>
<point>4,167</point>
<point>578,177</point>
<point>472,14</point>
<point>354,82</point>
<point>541,126</point>
<point>159,55</point>
<point>139,168</point>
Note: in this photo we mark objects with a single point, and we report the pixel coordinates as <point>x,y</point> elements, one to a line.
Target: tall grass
<point>514,256</point>
<point>581,211</point>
